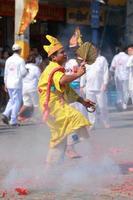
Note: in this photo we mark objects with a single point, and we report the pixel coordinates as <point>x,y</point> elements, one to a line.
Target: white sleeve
<point>23,70</point>
<point>130,62</point>
<point>83,80</point>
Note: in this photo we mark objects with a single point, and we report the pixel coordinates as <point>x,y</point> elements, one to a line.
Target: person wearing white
<point>14,72</point>
<point>30,81</point>
<point>121,76</point>
<point>70,68</point>
<point>130,66</point>
<point>94,83</point>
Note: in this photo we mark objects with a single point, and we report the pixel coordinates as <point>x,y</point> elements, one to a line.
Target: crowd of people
<point>93,85</point>
<point>23,84</point>
<point>19,79</point>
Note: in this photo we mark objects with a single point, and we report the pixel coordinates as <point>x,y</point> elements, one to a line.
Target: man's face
<point>60,57</point>
<point>130,51</point>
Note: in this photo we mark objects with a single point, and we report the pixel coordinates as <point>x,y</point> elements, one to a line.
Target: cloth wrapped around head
<point>53,47</point>
<point>87,52</point>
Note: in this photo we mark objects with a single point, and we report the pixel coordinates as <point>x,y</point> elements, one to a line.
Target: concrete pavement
<point>103,172</point>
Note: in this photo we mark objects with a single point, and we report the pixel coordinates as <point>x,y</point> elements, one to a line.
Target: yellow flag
<point>76,39</point>
<point>29,13</point>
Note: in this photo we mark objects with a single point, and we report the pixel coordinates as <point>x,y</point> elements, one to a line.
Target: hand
<point>88,103</point>
<point>82,69</point>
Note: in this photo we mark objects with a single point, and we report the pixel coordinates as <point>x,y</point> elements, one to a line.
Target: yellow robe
<point>63,119</point>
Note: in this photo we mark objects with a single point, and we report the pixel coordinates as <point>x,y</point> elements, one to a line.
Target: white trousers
<point>122,90</point>
<point>13,105</point>
<point>100,98</point>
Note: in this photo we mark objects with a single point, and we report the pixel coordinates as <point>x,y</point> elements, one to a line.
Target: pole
<point>95,21</point>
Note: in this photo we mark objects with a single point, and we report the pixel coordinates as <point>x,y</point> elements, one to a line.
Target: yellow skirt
<point>63,120</point>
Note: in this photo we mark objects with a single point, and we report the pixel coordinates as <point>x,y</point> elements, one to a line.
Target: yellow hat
<point>53,47</point>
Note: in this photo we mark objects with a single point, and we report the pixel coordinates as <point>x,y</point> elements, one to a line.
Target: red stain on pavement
<point>21,191</point>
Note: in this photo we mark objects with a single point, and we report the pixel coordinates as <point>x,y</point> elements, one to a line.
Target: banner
<point>78,16</point>
<point>29,13</point>
<point>82,16</point>
<point>51,12</point>
<point>117,2</point>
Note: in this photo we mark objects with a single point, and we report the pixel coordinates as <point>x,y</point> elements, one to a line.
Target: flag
<point>76,40</point>
<point>29,13</point>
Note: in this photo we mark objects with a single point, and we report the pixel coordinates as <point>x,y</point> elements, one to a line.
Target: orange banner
<point>29,13</point>
<point>117,2</point>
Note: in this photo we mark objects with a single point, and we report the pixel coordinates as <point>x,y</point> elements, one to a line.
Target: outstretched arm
<point>69,78</point>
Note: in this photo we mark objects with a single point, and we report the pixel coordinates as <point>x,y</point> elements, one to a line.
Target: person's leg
<point>25,109</point>
<point>35,103</point>
<point>125,93</point>
<point>70,149</point>
<point>8,108</point>
<point>91,95</point>
<point>103,108</point>
<point>17,100</point>
<point>56,155</point>
<point>73,138</point>
<point>131,95</point>
<point>118,84</point>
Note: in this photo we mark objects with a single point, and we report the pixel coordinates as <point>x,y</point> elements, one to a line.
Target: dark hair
<point>31,59</point>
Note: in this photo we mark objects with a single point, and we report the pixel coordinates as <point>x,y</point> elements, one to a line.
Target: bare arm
<point>86,102</point>
<point>69,78</point>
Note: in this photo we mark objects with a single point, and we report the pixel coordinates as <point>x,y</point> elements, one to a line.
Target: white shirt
<point>96,75</point>
<point>119,66</point>
<point>30,81</point>
<point>130,66</point>
<point>70,67</point>
<point>14,71</point>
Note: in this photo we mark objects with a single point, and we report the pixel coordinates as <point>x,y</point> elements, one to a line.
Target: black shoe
<point>5,119</point>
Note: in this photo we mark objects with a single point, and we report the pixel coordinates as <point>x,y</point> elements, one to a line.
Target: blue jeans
<point>13,105</point>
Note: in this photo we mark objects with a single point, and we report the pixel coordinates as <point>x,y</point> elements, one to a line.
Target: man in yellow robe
<point>55,96</point>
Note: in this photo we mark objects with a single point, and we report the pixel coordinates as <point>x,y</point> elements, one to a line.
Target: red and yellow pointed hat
<point>54,46</point>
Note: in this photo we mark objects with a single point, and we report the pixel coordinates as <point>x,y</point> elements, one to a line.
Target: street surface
<point>104,172</point>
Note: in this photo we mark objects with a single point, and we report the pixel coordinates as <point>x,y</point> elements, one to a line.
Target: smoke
<point>23,154</point>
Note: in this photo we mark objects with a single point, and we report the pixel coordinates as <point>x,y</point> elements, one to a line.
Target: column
<point>95,21</point>
<point>129,22</point>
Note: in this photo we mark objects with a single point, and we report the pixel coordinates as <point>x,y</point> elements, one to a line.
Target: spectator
<point>121,76</point>
<point>29,90</point>
<point>14,72</point>
<point>94,84</point>
<point>130,66</point>
<point>4,96</point>
<point>38,56</point>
